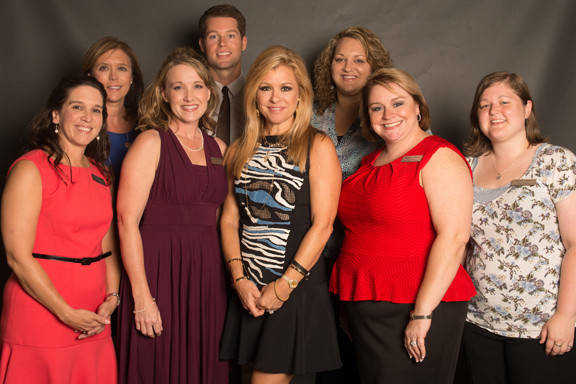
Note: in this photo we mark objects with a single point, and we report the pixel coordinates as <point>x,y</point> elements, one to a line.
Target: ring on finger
<point>413,343</point>
<point>557,344</point>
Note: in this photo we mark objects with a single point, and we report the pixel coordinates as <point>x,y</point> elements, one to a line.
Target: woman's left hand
<point>415,338</point>
<point>558,334</point>
<point>105,309</point>
<point>268,300</point>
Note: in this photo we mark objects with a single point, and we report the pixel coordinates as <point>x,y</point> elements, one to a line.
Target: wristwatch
<point>291,283</point>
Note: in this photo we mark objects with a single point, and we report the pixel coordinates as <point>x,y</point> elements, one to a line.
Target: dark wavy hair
<point>42,135</point>
<point>109,43</point>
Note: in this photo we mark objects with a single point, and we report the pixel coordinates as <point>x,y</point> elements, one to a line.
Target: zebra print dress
<point>273,196</point>
<point>270,193</point>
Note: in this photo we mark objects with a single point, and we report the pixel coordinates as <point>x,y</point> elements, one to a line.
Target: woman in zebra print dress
<point>284,179</point>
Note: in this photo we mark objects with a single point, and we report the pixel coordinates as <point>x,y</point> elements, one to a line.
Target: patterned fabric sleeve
<point>559,167</point>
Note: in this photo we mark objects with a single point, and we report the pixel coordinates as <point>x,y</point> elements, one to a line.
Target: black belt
<point>83,260</point>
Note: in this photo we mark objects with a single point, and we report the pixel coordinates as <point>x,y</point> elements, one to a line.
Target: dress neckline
<point>407,153</point>
<point>183,151</point>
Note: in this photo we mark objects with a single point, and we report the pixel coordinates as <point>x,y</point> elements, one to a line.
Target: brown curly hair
<point>377,55</point>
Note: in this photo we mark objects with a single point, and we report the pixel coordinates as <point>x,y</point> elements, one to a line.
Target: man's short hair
<point>223,10</point>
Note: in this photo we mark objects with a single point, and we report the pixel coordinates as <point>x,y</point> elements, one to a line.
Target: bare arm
<point>138,172</point>
<point>325,180</point>
<point>448,186</point>
<point>21,205</point>
<point>558,332</point>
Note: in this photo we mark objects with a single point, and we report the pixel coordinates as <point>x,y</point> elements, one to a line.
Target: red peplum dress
<point>36,346</point>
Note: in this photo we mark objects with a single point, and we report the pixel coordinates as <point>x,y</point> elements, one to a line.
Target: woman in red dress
<point>56,216</point>
<point>406,214</point>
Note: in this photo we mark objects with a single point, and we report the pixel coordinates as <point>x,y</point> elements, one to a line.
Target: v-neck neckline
<point>183,151</point>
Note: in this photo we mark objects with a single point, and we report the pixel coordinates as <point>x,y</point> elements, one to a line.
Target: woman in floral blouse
<point>522,259</point>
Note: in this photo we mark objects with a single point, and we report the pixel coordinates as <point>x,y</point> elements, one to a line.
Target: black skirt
<point>299,338</point>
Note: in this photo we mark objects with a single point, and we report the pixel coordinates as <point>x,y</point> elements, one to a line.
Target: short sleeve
<point>558,170</point>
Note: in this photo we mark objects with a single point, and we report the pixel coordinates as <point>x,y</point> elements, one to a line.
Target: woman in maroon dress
<point>171,188</point>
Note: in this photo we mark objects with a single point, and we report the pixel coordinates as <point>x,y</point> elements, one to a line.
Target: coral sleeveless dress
<point>36,346</point>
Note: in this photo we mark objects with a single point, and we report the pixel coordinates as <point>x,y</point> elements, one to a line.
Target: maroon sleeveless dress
<point>184,270</point>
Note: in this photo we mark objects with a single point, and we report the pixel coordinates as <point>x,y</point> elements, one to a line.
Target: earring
<point>257,113</point>
<point>98,138</point>
<point>56,128</point>
<point>419,117</point>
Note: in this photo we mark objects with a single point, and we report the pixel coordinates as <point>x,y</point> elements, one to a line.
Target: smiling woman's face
<point>393,112</point>
<point>277,97</point>
<point>350,67</point>
<point>80,119</point>
<point>186,93</point>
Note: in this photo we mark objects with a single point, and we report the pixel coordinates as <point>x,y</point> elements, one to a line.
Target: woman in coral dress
<point>56,215</point>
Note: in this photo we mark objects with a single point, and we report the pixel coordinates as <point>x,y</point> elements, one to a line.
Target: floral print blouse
<point>351,147</point>
<point>516,249</point>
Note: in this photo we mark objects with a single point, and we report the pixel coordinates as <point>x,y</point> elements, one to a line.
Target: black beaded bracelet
<point>420,317</point>
<point>299,268</point>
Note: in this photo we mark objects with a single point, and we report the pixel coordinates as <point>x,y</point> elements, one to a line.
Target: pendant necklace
<point>500,174</point>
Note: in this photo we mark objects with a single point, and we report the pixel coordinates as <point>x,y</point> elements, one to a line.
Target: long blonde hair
<point>155,112</point>
<point>298,138</point>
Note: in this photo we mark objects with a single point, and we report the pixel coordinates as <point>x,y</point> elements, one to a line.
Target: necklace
<point>264,143</point>
<point>499,174</point>
<point>190,148</point>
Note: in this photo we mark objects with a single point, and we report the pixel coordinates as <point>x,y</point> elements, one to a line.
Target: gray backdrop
<point>447,45</point>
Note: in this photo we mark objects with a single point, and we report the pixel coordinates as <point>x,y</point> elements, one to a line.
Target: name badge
<point>522,182</point>
<point>99,180</point>
<point>216,160</point>
<point>411,159</point>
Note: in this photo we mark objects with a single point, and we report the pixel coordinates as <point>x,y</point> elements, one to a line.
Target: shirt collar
<point>234,87</point>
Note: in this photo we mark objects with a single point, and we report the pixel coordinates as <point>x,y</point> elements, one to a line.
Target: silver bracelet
<point>115,294</point>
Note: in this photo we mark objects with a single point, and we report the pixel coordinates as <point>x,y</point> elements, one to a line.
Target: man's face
<point>222,44</point>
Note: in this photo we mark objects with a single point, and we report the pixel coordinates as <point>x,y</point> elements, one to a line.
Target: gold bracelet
<point>276,294</point>
<point>234,259</point>
<point>143,309</point>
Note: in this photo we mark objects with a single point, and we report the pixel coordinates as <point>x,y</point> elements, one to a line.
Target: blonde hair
<point>155,112</point>
<point>298,138</point>
<point>376,54</point>
<point>384,77</point>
